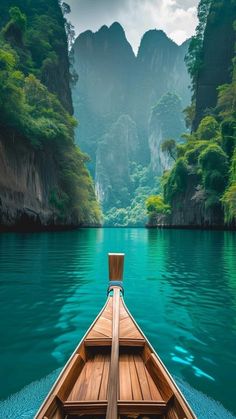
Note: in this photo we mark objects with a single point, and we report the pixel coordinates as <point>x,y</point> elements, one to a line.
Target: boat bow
<point>114,372</point>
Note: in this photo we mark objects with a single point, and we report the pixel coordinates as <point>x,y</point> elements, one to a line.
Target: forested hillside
<point>200,190</point>
<point>43,179</point>
<point>127,106</point>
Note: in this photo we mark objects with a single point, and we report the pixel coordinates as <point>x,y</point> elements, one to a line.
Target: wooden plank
<point>142,377</point>
<point>125,379</point>
<point>50,408</point>
<point>82,352</point>
<point>123,312</point>
<point>85,408</point>
<point>107,312</point>
<point>159,377</point>
<point>74,394</point>
<point>95,334</point>
<point>146,353</point>
<point>155,394</point>
<point>92,342</point>
<point>80,386</point>
<point>166,386</point>
<point>113,378</point>
<point>85,379</point>
<point>107,323</point>
<point>116,266</point>
<point>144,407</point>
<point>102,328</point>
<point>136,390</point>
<point>135,407</point>
<point>172,414</point>
<point>97,341</point>
<point>129,330</point>
<point>104,382</point>
<point>132,342</point>
<point>125,329</point>
<point>95,378</point>
<point>69,378</point>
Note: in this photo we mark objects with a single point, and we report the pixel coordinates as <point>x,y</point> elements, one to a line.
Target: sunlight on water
<point>179,285</point>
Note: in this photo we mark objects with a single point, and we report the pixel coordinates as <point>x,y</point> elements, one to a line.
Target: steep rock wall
<point>218,51</point>
<point>29,175</point>
<point>113,83</point>
<point>27,179</point>
<point>189,210</point>
<point>116,150</point>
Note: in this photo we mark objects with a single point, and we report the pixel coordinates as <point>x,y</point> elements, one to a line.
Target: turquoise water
<point>179,285</point>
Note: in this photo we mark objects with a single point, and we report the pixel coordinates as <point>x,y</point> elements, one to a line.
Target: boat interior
<point>144,388</point>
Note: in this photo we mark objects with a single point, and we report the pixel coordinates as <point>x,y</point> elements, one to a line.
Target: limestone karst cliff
<point>200,189</point>
<point>217,52</point>
<point>113,100</point>
<point>43,180</point>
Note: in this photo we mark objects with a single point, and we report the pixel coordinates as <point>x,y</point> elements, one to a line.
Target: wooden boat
<point>114,372</point>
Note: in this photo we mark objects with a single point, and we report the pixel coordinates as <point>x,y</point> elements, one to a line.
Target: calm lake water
<point>179,285</point>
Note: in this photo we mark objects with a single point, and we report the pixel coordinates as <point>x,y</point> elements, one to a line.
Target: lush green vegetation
<point>167,113</point>
<point>31,41</point>
<point>194,55</point>
<point>205,163</point>
<point>134,214</point>
<point>155,206</point>
<point>208,155</point>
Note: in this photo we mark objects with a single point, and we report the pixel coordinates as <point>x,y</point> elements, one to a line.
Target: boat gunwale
<point>178,391</point>
<point>162,364</point>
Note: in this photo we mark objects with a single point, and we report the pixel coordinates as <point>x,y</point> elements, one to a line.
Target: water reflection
<point>180,286</point>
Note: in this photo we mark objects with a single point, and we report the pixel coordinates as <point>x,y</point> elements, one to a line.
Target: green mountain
<point>43,179</point>
<point>200,190</point>
<point>115,99</point>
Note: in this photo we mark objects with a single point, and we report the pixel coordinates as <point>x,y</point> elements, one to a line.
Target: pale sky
<point>178,18</point>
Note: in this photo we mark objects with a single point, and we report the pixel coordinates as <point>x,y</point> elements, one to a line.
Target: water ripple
<point>180,286</point>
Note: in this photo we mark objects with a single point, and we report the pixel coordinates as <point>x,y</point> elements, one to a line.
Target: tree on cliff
<point>36,116</point>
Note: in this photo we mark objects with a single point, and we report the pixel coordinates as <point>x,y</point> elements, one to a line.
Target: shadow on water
<point>180,286</point>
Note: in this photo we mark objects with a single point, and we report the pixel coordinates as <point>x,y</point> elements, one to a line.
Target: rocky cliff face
<point>34,191</point>
<point>160,69</point>
<point>189,210</point>
<point>27,179</point>
<point>166,122</point>
<point>113,100</point>
<point>104,62</point>
<point>197,199</point>
<point>218,50</point>
<point>117,148</point>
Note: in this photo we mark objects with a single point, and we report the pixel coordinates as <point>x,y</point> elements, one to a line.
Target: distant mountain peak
<point>116,26</point>
<point>104,28</point>
<point>153,36</point>
<point>155,40</point>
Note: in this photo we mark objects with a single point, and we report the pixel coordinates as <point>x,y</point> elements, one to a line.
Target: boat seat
<point>134,407</point>
<point>107,342</point>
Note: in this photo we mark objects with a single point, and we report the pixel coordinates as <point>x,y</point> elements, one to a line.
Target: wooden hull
<point>145,388</point>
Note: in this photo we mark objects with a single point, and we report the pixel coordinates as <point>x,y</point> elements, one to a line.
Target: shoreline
<point>61,228</point>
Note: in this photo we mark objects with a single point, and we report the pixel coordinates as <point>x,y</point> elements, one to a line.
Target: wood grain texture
<point>116,266</point>
<point>135,384</point>
<point>146,395</point>
<point>125,392</point>
<point>113,378</point>
<point>114,372</point>
<point>93,388</point>
<point>104,382</point>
